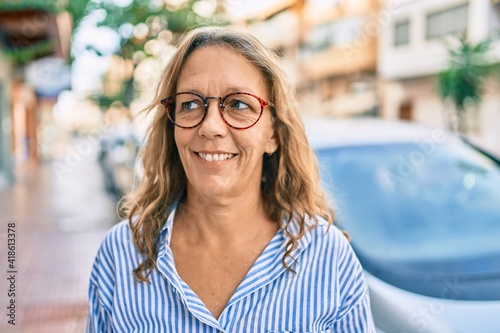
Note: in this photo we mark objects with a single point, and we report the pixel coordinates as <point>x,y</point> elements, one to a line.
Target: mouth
<point>216,157</point>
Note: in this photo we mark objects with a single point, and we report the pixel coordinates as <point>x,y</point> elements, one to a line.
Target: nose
<point>213,125</point>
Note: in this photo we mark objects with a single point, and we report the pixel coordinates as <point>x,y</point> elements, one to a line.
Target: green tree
<point>17,45</point>
<point>140,21</point>
<point>463,80</point>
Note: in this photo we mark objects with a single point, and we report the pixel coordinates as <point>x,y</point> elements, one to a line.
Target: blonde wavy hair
<point>290,180</point>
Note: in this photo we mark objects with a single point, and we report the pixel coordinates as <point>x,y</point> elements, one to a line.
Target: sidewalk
<point>60,220</point>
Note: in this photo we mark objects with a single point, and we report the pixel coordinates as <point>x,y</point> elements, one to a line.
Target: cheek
<point>180,139</point>
<point>253,149</point>
<point>247,142</point>
<point>261,138</point>
<point>180,143</point>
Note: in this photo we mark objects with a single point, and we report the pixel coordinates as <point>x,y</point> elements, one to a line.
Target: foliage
<point>463,80</point>
<point>156,15</point>
<point>141,21</point>
<point>51,6</point>
<point>29,51</point>
<point>105,101</point>
<point>77,9</point>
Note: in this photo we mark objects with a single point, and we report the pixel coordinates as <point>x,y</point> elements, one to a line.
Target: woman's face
<point>237,169</point>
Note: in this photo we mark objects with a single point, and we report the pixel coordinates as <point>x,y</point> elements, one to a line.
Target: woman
<point>230,230</point>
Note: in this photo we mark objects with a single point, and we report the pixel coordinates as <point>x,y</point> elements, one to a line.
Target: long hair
<point>290,178</point>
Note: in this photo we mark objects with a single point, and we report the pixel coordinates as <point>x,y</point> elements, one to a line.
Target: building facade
<point>329,48</point>
<point>6,168</point>
<point>413,50</point>
<point>29,32</point>
<point>338,58</point>
<point>381,58</point>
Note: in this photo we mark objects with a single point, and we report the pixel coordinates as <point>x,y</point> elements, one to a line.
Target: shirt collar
<point>166,230</point>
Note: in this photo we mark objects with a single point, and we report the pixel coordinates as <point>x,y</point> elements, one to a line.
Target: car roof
<point>330,132</point>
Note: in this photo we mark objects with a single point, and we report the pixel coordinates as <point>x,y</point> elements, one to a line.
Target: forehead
<point>222,69</point>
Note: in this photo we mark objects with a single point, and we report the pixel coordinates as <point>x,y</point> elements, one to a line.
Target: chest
<point>213,277</point>
<point>274,301</point>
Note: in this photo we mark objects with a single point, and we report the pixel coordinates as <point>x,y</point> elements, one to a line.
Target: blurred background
<point>74,76</point>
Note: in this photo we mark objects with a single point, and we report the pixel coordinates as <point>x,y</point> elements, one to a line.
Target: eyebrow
<point>232,89</point>
<point>228,90</point>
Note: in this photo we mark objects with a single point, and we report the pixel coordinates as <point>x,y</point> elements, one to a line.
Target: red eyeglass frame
<point>263,104</point>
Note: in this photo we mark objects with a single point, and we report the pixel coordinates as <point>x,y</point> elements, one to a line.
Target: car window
<point>411,211</point>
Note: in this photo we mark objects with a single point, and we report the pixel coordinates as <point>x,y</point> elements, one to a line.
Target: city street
<point>400,104</point>
<point>60,213</point>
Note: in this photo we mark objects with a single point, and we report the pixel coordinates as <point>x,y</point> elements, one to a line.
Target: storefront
<point>34,40</point>
<point>6,176</point>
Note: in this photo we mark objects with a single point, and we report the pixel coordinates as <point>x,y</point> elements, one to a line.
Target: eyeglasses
<point>239,110</point>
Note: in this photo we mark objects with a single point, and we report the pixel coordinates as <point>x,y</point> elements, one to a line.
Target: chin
<point>213,188</point>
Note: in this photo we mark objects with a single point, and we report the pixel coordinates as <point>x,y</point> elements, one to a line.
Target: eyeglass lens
<point>239,110</point>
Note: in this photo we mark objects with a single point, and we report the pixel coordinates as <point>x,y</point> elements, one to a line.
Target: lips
<point>216,157</point>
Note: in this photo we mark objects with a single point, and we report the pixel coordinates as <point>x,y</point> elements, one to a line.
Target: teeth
<point>215,157</point>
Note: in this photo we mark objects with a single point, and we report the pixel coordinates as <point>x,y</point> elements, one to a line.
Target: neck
<point>219,222</point>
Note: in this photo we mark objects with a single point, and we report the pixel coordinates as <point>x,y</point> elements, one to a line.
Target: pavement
<point>60,212</point>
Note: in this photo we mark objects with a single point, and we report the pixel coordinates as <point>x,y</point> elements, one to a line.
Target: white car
<point>422,206</point>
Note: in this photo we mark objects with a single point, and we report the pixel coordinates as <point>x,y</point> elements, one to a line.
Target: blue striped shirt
<point>328,293</point>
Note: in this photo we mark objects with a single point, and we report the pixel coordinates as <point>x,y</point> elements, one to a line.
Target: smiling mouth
<point>216,157</point>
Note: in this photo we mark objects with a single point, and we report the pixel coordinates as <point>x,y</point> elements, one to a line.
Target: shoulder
<point>328,236</point>
<point>330,246</point>
<point>326,243</point>
<point>119,232</point>
<point>117,249</point>
<point>338,254</point>
<point>113,262</point>
<point>334,243</point>
<point>103,276</point>
<point>119,236</point>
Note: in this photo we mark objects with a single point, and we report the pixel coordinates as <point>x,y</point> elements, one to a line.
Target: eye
<point>241,104</point>
<point>191,105</point>
<point>238,105</point>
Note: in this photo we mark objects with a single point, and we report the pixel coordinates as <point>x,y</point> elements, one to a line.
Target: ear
<point>272,143</point>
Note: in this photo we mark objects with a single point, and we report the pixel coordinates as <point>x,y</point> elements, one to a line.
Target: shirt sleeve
<point>102,284</point>
<point>357,319</point>
<point>98,320</point>
<point>354,315</point>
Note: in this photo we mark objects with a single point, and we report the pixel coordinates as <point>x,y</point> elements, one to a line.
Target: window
<point>494,24</point>
<point>449,21</point>
<point>340,32</point>
<point>402,33</point>
<point>318,38</point>
<point>344,31</point>
<point>304,53</point>
<point>452,195</point>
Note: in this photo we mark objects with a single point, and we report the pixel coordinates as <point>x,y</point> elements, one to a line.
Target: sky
<point>88,67</point>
